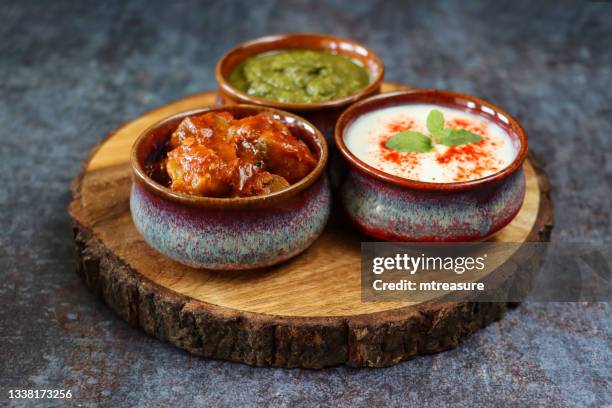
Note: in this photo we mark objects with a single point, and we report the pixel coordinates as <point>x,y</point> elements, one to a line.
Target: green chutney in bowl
<point>299,76</point>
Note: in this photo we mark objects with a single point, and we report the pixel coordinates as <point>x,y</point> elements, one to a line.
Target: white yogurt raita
<point>367,135</point>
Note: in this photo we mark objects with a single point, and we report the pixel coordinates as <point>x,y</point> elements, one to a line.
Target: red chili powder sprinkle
<point>404,158</point>
<point>471,160</point>
<point>476,155</point>
<point>399,125</point>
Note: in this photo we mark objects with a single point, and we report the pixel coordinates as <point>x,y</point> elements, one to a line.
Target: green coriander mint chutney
<point>299,76</point>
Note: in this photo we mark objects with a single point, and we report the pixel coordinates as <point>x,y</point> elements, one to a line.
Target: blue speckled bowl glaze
<point>397,209</point>
<point>230,233</point>
<point>394,213</point>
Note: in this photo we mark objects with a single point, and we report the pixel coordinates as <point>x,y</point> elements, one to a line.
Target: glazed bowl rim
<point>404,97</point>
<point>237,94</point>
<point>230,202</point>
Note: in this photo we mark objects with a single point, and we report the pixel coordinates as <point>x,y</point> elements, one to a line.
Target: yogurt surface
<point>367,135</point>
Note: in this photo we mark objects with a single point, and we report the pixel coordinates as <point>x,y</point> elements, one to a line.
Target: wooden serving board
<point>306,312</point>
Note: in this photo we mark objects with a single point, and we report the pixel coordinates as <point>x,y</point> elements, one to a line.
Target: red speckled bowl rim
<point>436,97</point>
<point>318,142</point>
<point>315,41</point>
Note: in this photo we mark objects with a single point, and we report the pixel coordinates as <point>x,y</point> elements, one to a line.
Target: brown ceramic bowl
<point>399,209</point>
<point>229,233</point>
<point>321,114</point>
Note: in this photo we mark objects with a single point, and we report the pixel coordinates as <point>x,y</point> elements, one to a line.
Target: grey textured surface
<point>73,71</point>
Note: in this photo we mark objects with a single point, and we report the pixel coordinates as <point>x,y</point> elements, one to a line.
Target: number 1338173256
<point>39,394</point>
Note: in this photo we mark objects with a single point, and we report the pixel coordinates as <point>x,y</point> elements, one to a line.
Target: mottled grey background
<point>70,72</point>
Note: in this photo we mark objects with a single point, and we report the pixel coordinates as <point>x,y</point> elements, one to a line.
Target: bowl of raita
<point>431,166</point>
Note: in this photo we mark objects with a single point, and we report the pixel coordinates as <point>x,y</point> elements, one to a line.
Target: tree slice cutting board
<point>306,312</point>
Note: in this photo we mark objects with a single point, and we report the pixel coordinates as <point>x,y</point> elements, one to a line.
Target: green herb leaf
<point>440,135</point>
<point>458,137</point>
<point>435,121</point>
<point>410,141</point>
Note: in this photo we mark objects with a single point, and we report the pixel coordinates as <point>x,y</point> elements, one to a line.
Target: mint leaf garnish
<point>410,141</point>
<point>458,137</point>
<point>440,135</point>
<point>435,121</point>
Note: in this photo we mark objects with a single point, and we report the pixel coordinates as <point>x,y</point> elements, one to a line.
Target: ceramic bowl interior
<point>436,97</point>
<point>152,145</point>
<point>338,45</point>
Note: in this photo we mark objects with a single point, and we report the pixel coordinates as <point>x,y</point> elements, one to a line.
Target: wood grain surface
<point>306,312</point>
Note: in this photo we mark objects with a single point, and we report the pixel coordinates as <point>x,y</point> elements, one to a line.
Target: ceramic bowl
<point>393,208</point>
<point>229,233</point>
<point>322,114</point>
